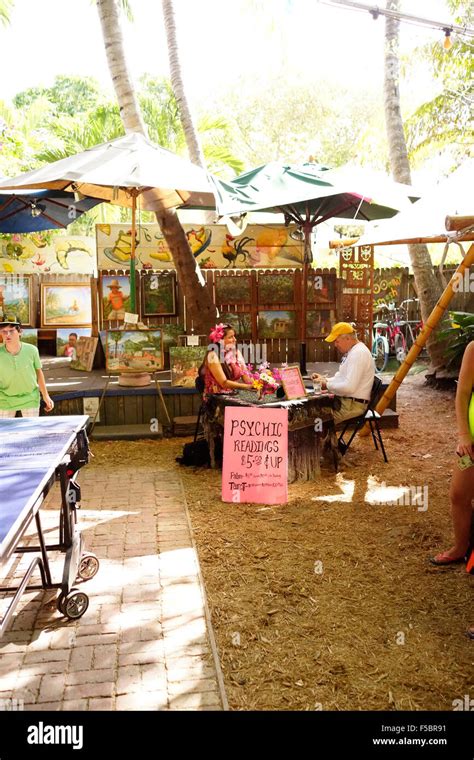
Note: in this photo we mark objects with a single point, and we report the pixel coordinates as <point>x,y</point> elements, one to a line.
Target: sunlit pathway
<point>144,642</point>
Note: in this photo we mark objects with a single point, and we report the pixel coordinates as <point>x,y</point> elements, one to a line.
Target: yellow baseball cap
<point>340,328</point>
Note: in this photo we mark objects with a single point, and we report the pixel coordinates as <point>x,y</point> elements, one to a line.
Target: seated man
<point>353,382</point>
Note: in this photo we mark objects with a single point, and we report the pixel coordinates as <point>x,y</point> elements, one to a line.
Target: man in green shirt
<point>21,376</point>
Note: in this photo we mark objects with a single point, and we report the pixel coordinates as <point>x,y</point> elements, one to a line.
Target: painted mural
<point>46,252</point>
<point>212,245</point>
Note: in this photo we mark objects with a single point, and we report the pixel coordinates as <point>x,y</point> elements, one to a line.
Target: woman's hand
<point>465,446</point>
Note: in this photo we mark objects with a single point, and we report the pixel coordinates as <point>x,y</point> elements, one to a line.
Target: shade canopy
<point>311,193</point>
<point>36,210</point>
<point>426,219</point>
<point>118,170</point>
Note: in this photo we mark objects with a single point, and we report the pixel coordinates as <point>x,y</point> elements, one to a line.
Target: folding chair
<point>370,416</point>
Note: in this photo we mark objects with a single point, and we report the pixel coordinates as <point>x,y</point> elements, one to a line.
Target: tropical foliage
<point>445,122</point>
<point>458,331</point>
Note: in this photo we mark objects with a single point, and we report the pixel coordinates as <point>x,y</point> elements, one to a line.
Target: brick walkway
<point>144,643</point>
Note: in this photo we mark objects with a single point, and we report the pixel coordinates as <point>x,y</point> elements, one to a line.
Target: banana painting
<point>35,253</point>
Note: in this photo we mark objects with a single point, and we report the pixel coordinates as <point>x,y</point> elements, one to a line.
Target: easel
<point>158,390</point>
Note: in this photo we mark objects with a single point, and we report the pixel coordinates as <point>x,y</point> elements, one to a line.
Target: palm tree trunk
<point>190,132</point>
<point>427,287</point>
<point>199,304</point>
<point>109,16</point>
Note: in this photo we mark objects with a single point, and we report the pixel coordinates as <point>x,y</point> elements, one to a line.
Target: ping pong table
<point>34,453</point>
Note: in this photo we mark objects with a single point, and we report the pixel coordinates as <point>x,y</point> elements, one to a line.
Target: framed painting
<point>277,324</point>
<point>66,341</point>
<point>321,288</point>
<point>292,382</point>
<point>319,323</point>
<point>170,335</point>
<point>85,352</point>
<point>133,351</point>
<point>276,288</point>
<point>66,304</point>
<point>30,335</point>
<point>114,297</point>
<point>233,290</point>
<point>184,363</point>
<point>158,295</point>
<point>241,321</point>
<point>16,298</point>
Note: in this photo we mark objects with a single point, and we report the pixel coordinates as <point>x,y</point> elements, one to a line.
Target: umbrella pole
<point>304,297</point>
<point>132,254</point>
<point>134,379</point>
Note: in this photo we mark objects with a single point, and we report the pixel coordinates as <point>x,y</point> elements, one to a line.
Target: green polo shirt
<point>18,379</point>
<point>471,416</point>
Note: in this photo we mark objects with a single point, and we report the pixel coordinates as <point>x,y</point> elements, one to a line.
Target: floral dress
<point>235,361</point>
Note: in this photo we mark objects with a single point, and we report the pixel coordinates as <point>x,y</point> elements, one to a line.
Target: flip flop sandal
<point>445,559</point>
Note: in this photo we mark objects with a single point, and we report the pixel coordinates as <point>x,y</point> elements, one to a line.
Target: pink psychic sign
<point>255,465</point>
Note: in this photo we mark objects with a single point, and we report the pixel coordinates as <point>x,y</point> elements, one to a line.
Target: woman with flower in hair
<point>223,369</point>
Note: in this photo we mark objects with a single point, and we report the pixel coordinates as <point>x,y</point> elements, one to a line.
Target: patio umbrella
<point>37,210</point>
<point>308,195</point>
<point>122,171</point>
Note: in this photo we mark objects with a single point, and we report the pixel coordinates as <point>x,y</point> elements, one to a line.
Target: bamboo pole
<point>421,339</point>
<point>458,222</point>
<point>468,237</point>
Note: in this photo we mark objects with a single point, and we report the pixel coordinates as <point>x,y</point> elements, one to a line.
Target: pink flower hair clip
<point>217,333</point>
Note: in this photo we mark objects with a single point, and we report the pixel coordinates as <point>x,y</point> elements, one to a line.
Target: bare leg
<point>461,495</point>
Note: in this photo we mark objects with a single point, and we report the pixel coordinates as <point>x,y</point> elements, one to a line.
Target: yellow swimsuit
<point>471,415</point>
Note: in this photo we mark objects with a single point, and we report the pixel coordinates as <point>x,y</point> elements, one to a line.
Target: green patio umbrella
<point>307,195</point>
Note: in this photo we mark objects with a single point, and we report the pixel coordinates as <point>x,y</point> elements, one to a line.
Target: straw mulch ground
<point>331,603</point>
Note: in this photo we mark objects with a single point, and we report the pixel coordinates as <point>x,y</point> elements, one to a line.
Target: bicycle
<point>413,327</point>
<point>388,336</point>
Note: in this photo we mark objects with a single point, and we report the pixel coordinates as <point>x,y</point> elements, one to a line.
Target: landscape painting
<point>158,295</point>
<point>230,290</point>
<point>30,335</point>
<point>277,324</point>
<point>67,304</point>
<point>15,298</point>
<point>241,321</point>
<point>276,288</point>
<point>185,362</point>
<point>134,351</point>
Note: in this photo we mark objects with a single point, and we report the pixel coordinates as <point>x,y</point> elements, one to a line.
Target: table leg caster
<point>74,604</point>
<point>88,566</point>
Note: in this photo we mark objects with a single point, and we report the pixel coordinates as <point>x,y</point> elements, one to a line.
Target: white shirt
<point>355,376</point>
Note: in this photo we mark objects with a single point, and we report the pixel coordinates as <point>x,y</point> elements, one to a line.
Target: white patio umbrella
<point>120,172</point>
<point>452,196</point>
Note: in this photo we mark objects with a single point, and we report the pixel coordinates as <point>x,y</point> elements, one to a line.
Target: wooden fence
<point>264,306</point>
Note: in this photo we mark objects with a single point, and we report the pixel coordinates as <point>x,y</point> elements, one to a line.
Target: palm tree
<point>192,139</point>
<point>201,309</point>
<point>5,8</point>
<point>426,284</point>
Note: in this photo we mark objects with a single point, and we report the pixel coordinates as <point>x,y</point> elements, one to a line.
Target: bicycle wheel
<point>400,346</point>
<point>380,352</point>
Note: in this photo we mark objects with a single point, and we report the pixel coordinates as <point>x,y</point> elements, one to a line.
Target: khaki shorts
<point>348,409</point>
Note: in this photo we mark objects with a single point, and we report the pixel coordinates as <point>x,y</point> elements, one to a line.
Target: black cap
<point>10,321</point>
